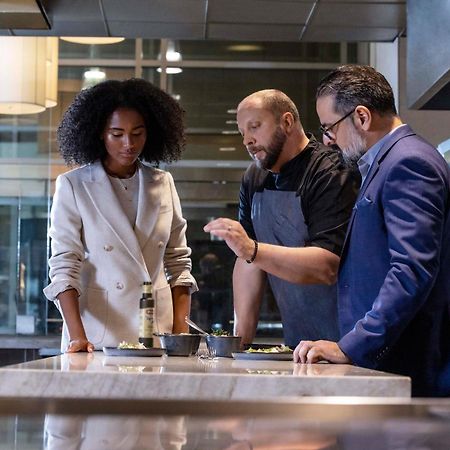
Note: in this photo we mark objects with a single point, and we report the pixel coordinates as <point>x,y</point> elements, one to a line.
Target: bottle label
<point>146,322</point>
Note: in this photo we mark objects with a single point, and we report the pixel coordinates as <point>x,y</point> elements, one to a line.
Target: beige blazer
<point>97,252</point>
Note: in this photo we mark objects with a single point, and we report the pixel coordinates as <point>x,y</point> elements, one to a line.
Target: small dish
<point>114,351</point>
<point>223,345</point>
<point>179,344</point>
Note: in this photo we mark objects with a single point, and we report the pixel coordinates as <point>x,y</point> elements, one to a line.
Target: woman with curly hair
<point>116,221</point>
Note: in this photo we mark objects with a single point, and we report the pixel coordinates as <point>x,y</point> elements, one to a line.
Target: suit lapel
<point>148,204</point>
<point>398,134</point>
<point>108,207</point>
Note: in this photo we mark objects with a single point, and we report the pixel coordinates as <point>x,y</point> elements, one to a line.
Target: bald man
<point>295,202</point>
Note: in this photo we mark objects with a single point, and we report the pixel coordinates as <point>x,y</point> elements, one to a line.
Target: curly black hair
<point>79,133</point>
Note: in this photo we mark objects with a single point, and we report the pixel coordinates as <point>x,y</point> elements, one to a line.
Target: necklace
<point>126,183</point>
<point>122,183</point>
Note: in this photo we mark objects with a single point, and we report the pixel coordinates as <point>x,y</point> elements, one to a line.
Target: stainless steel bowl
<point>179,344</point>
<point>223,345</point>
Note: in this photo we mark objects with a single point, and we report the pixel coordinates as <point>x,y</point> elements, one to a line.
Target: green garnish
<point>276,349</point>
<point>220,332</point>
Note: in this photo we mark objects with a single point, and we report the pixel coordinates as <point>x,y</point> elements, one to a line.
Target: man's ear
<point>287,121</point>
<point>363,118</point>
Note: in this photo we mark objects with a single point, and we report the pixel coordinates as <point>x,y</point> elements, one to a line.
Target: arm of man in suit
<point>413,200</point>
<point>310,352</point>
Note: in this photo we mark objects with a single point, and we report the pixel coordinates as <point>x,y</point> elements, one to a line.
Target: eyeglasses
<point>325,130</point>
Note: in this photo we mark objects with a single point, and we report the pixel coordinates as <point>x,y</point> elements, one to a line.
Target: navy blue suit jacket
<point>394,278</point>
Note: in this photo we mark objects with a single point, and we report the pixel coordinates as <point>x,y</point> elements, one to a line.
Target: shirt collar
<point>366,161</point>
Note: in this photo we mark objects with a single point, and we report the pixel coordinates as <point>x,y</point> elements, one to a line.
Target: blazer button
<point>107,248</point>
<point>160,244</point>
<point>119,285</point>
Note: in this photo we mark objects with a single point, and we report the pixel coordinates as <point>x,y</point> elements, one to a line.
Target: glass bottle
<point>146,315</point>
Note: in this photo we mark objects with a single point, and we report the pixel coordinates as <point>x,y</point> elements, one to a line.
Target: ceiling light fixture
<point>23,74</point>
<point>227,149</point>
<point>171,70</point>
<point>92,77</point>
<point>245,48</point>
<point>92,40</point>
<point>172,56</point>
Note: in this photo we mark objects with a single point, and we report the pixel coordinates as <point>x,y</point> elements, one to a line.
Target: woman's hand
<point>80,345</point>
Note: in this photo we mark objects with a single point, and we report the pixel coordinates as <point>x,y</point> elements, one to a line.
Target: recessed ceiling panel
<point>243,32</point>
<point>157,30</point>
<point>350,34</point>
<point>359,15</point>
<point>72,28</point>
<point>171,11</point>
<point>258,11</point>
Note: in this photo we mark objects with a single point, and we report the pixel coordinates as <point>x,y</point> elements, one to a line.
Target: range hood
<point>23,15</point>
<point>428,55</point>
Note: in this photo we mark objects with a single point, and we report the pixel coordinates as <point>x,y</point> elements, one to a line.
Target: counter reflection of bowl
<point>223,345</point>
<point>180,344</point>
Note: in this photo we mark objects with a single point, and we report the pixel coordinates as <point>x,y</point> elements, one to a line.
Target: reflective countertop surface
<point>83,375</point>
<point>303,424</point>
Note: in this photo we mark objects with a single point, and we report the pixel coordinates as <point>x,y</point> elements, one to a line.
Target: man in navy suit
<point>394,276</point>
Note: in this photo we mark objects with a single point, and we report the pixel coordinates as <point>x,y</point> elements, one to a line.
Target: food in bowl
<point>183,344</point>
<point>220,332</point>
<point>276,349</point>
<point>223,345</point>
<point>128,345</point>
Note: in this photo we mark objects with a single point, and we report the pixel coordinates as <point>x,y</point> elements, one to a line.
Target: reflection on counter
<point>105,432</point>
<point>118,432</point>
<point>194,364</point>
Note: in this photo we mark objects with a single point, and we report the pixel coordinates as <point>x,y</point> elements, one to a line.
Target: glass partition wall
<point>208,78</point>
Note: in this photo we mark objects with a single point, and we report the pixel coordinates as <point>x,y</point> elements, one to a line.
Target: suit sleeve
<point>177,261</point>
<point>66,243</point>
<point>414,201</point>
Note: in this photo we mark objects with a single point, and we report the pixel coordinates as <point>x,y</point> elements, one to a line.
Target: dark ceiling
<point>250,20</point>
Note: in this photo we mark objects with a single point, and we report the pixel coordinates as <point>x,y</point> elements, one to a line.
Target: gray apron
<point>308,312</point>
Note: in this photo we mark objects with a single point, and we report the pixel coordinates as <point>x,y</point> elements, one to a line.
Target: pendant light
<point>51,91</point>
<point>23,75</point>
<point>92,40</point>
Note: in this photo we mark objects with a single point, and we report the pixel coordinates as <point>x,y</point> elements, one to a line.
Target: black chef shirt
<point>327,189</point>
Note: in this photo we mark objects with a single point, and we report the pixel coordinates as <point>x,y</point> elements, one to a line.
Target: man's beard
<point>357,147</point>
<point>272,151</point>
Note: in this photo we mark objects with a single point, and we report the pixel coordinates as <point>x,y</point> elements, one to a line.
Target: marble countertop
<point>82,375</point>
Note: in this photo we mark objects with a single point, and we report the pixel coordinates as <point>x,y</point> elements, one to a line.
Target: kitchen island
<point>96,376</point>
